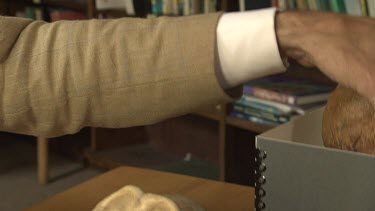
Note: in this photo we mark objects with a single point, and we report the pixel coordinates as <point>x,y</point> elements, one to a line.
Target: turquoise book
<point>260,114</point>
<point>254,119</point>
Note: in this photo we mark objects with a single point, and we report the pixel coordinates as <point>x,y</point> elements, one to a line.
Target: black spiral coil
<point>260,179</point>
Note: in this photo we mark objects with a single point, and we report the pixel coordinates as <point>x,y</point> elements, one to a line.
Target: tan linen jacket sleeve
<point>56,78</point>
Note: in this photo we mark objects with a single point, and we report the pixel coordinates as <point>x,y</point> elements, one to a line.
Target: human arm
<point>56,78</point>
<point>151,69</point>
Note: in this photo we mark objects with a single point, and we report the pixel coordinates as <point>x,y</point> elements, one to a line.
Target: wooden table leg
<point>42,160</point>
<point>222,142</point>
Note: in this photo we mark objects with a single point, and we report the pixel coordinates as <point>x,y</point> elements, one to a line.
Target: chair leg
<point>42,160</point>
<point>93,139</point>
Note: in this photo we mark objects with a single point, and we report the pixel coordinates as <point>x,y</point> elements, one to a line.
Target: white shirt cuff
<point>247,46</point>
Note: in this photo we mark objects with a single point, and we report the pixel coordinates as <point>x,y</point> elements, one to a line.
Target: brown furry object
<point>349,122</point>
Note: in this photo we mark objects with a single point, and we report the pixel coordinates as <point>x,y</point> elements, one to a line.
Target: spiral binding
<point>260,179</point>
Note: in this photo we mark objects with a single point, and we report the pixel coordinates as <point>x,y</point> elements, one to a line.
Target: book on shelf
<point>109,4</point>
<point>371,7</point>
<point>34,13</point>
<point>282,5</point>
<point>182,7</point>
<point>275,107</point>
<point>312,5</point>
<point>287,90</point>
<point>255,4</point>
<point>250,118</point>
<point>209,6</point>
<point>364,7</point>
<point>323,5</point>
<point>292,4</point>
<point>126,5</point>
<point>66,15</point>
<point>337,6</point>
<point>353,7</point>
<point>265,105</point>
<point>167,7</point>
<point>195,7</point>
<point>277,119</point>
<point>156,7</point>
<point>302,5</point>
<point>268,112</point>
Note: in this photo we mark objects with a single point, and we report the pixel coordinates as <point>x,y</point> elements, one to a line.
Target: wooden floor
<point>19,187</point>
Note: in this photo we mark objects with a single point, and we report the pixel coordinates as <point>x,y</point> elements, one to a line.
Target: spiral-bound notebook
<point>296,172</point>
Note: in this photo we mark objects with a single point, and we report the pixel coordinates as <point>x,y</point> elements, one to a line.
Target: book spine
<point>209,6</point>
<point>253,118</point>
<point>38,14</point>
<point>30,13</point>
<point>242,5</point>
<point>281,107</point>
<point>302,5</point>
<point>206,6</point>
<point>364,7</point>
<point>186,7</point>
<point>324,5</point>
<point>129,7</point>
<point>312,4</point>
<point>270,95</point>
<point>292,4</point>
<point>353,7</point>
<point>337,6</point>
<point>283,5</point>
<point>180,7</point>
<point>157,7</point>
<point>175,7</point>
<point>371,7</point>
<point>167,7</point>
<point>195,7</point>
<point>258,106</point>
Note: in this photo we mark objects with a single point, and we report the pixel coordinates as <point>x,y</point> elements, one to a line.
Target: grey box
<point>296,172</point>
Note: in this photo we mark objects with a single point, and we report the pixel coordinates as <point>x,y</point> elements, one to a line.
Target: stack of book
<point>276,99</point>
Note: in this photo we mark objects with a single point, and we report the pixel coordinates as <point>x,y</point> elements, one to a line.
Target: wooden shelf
<point>208,115</point>
<point>247,125</point>
<point>216,115</point>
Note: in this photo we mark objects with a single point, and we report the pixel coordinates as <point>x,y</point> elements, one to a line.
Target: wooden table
<point>210,194</point>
